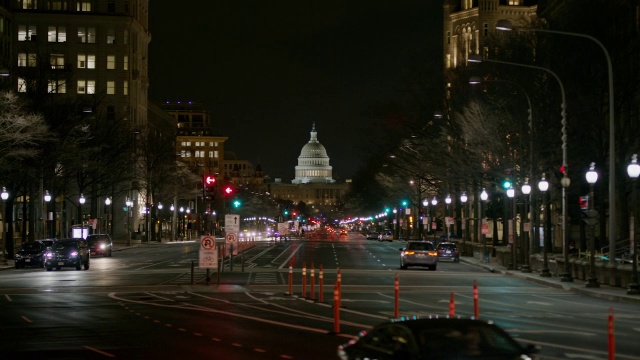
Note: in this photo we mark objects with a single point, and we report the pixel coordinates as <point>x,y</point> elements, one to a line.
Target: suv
<point>419,253</point>
<point>100,244</point>
<point>68,252</point>
<point>449,251</point>
<point>386,235</point>
<point>30,254</point>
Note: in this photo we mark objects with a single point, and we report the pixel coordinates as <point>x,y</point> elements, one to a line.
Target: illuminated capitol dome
<point>313,163</point>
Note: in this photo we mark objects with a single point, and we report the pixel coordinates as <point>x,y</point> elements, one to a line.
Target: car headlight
<point>48,254</point>
<point>73,254</point>
<point>103,246</point>
<point>18,257</point>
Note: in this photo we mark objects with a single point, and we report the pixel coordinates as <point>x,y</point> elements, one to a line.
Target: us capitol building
<point>313,184</point>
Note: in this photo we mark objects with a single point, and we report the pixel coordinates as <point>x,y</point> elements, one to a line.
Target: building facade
<point>467,23</point>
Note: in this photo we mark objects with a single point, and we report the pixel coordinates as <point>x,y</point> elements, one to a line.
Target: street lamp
<point>526,191</point>
<point>181,232</point>
<point>592,177</point>
<point>47,199</point>
<point>4,196</point>
<point>463,200</point>
<point>107,203</point>
<point>633,170</point>
<point>447,200</point>
<point>129,204</point>
<point>511,193</point>
<point>506,25</point>
<point>427,219</point>
<point>81,201</point>
<point>483,224</point>
<point>543,186</point>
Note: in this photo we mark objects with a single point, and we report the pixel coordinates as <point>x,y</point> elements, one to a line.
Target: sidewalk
<point>606,292</point>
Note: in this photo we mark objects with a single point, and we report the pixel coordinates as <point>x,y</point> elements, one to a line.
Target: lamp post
<point>526,191</point>
<point>396,228</point>
<point>447,200</point>
<point>434,202</point>
<point>4,196</point>
<point>511,193</point>
<point>129,204</point>
<point>484,228</point>
<point>159,209</point>
<point>47,199</point>
<point>506,25</point>
<point>81,202</point>
<point>543,186</point>
<point>426,220</point>
<point>633,170</point>
<point>107,203</point>
<point>181,223</point>
<point>173,222</point>
<point>592,177</point>
<point>463,200</point>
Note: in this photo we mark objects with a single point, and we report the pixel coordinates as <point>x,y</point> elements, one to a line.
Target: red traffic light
<point>228,190</point>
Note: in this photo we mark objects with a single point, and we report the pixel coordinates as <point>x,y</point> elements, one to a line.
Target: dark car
<point>448,251</point>
<point>438,339</point>
<point>68,253</point>
<point>30,254</point>
<point>46,242</point>
<point>419,253</point>
<point>100,244</point>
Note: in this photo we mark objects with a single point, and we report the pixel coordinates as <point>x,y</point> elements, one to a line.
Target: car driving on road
<point>30,254</point>
<point>70,252</point>
<point>386,235</point>
<point>419,253</point>
<point>100,244</point>
<point>448,251</point>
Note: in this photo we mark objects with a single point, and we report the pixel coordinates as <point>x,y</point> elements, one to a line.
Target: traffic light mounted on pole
<point>208,187</point>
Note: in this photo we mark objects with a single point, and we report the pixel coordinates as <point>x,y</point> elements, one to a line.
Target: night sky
<point>268,69</point>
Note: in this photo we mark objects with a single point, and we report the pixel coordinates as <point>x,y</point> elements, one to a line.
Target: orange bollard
<point>396,307</point>
<point>291,278</point>
<point>304,280</point>
<point>336,308</point>
<point>313,280</point>
<point>321,280</point>
<point>452,306</point>
<point>476,310</point>
<point>339,282</point>
<point>612,338</point>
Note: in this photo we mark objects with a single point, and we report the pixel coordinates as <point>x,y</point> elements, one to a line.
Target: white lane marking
<point>26,319</point>
<point>99,351</point>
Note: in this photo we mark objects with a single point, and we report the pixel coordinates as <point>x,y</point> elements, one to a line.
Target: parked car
<point>30,254</point>
<point>448,251</point>
<point>372,235</point>
<point>68,253</point>
<point>386,235</point>
<point>419,253</point>
<point>46,242</point>
<point>100,244</point>
<point>436,338</point>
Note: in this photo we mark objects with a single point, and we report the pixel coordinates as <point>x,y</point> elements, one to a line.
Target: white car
<point>386,235</point>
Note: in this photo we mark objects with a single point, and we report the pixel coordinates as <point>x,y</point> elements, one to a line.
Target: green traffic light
<point>404,202</point>
<point>506,184</point>
<point>237,203</point>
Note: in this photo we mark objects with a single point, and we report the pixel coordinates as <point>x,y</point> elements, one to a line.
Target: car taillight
<point>432,253</point>
<point>440,251</point>
<point>409,252</point>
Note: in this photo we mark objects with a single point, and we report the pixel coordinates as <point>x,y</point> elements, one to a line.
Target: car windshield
<point>420,246</point>
<point>447,246</point>
<point>469,342</point>
<point>30,246</point>
<point>59,245</point>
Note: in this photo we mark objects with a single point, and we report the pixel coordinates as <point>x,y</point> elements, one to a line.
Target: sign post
<point>208,254</point>
<point>232,228</point>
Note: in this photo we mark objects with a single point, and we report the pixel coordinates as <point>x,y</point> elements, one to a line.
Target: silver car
<point>386,235</point>
<point>419,253</point>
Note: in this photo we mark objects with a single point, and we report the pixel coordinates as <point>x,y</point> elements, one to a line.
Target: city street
<point>141,303</point>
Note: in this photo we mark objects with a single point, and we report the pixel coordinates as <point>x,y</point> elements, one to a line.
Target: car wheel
<point>17,266</point>
<point>78,265</point>
<point>86,265</point>
<point>109,252</point>
<point>58,267</point>
<point>432,268</point>
<point>403,267</point>
<point>42,264</point>
<point>49,268</point>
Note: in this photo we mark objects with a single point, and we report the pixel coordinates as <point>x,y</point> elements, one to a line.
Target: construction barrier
<point>396,290</point>
<point>336,308</point>
<point>304,280</point>
<point>291,278</point>
<point>612,339</point>
<point>321,280</point>
<point>476,310</point>
<point>313,281</point>
<point>452,306</point>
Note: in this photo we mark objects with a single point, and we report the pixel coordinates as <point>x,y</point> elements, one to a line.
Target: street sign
<point>232,223</point>
<point>208,255</point>
<point>231,237</point>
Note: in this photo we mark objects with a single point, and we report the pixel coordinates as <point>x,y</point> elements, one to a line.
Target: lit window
<point>91,61</point>
<point>199,154</point>
<point>125,63</point>
<point>86,61</point>
<point>22,85</point>
<point>91,87</point>
<point>111,87</point>
<point>82,87</point>
<point>29,4</point>
<point>56,61</point>
<point>125,88</point>
<point>83,6</point>
<point>87,35</point>
<point>57,87</point>
<point>111,36</point>
<point>27,33</point>
<point>56,5</point>
<point>57,34</point>
<point>125,37</point>
<point>111,62</point>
